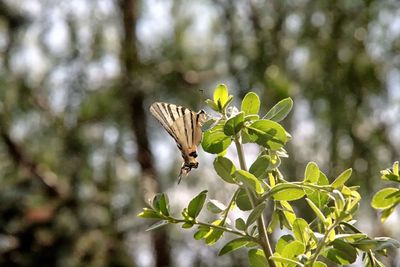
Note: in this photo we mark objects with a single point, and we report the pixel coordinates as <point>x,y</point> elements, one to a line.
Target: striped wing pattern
<point>184,126</point>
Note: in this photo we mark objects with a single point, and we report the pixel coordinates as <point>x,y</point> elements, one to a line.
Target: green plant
<point>330,236</point>
<point>388,198</point>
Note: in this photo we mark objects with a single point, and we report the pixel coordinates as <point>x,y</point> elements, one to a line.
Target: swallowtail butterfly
<point>184,126</point>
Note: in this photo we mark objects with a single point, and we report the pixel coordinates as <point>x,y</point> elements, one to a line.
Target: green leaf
<point>213,236</point>
<point>221,95</point>
<point>215,206</point>
<point>212,105</point>
<point>301,230</point>
<point>249,180</point>
<point>311,174</point>
<point>268,134</point>
<point>187,225</point>
<point>283,242</point>
<point>286,262</point>
<point>161,203</point>
<point>341,253</point>
<point>385,198</point>
<point>293,249</point>
<point>387,212</point>
<point>196,204</point>
<point>257,258</point>
<point>287,191</point>
<point>387,242</point>
<point>251,103</point>
<point>273,223</point>
<point>234,124</point>
<point>251,117</point>
<point>157,225</point>
<point>391,174</point>
<point>342,178</point>
<point>240,224</point>
<point>234,245</point>
<point>260,166</point>
<point>208,124</point>
<point>280,110</point>
<point>149,214</point>
<point>319,197</point>
<point>201,232</point>
<point>255,214</point>
<point>288,213</point>
<point>316,210</point>
<point>319,264</point>
<point>225,169</point>
<point>351,237</point>
<point>338,199</point>
<point>396,168</point>
<point>227,103</point>
<point>243,200</point>
<point>215,142</point>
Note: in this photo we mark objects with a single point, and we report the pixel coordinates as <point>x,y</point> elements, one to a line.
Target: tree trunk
<point>131,67</point>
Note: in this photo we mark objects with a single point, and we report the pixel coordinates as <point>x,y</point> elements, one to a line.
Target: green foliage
<point>331,236</point>
<point>387,199</point>
<point>280,110</point>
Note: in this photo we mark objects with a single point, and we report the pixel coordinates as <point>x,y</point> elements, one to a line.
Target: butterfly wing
<point>184,126</point>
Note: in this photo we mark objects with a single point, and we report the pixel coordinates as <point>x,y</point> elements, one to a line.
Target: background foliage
<point>78,158</point>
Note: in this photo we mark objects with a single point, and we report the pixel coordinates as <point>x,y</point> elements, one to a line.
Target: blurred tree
<point>76,78</point>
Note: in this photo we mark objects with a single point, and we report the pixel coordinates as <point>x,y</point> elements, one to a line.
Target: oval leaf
<point>149,214</point>
<point>342,178</point>
<point>243,201</point>
<point>255,214</point>
<point>280,110</point>
<point>196,204</point>
<point>385,198</point>
<point>257,258</point>
<point>268,134</point>
<point>260,166</point>
<point>234,124</point>
<point>319,197</point>
<point>201,232</point>
<point>249,180</point>
<point>215,142</point>
<point>342,252</point>
<point>283,242</point>
<point>234,245</point>
<point>213,236</point>
<point>225,169</point>
<point>251,103</point>
<point>161,203</point>
<point>240,224</point>
<point>293,249</point>
<point>221,95</point>
<point>301,230</point>
<point>215,206</point>
<point>311,174</point>
<point>287,191</point>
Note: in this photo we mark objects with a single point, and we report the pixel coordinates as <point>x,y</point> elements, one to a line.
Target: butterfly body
<point>184,126</point>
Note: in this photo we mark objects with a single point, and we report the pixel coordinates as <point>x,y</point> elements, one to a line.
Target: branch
<point>46,177</point>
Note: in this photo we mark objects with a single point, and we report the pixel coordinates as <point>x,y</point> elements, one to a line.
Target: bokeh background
<point>80,155</point>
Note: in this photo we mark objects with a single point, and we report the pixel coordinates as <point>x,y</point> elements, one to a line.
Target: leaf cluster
<point>388,198</point>
<point>330,236</point>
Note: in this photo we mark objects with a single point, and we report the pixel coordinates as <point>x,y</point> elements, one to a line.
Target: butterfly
<point>184,126</point>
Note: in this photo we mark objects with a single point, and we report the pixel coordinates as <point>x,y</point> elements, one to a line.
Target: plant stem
<point>226,211</point>
<point>175,220</point>
<point>263,236</point>
<point>321,244</point>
